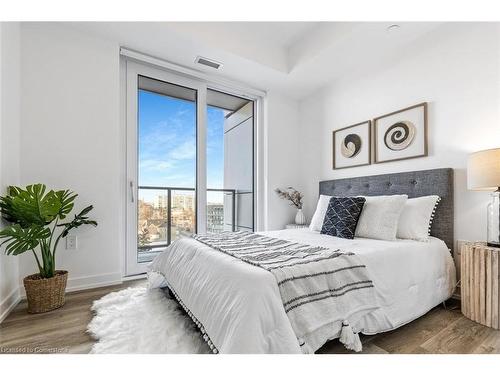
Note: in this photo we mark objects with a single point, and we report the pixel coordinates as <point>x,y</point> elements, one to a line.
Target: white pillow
<point>380,216</point>
<point>416,218</point>
<point>319,214</point>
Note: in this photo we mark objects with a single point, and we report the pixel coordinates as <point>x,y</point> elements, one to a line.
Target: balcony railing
<point>169,195</point>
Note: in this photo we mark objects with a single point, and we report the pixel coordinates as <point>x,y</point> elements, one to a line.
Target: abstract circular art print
<point>400,135</point>
<point>351,145</point>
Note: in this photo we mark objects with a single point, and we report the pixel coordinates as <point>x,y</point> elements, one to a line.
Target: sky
<point>167,144</point>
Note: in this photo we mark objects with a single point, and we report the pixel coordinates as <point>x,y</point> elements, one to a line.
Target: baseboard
<point>95,281</point>
<point>8,303</point>
<point>89,282</point>
<point>135,277</point>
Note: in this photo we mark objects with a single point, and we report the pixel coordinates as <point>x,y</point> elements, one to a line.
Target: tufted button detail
<point>414,182</point>
<point>367,185</point>
<point>389,184</point>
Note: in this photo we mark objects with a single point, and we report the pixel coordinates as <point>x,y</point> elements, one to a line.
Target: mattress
<point>240,308</point>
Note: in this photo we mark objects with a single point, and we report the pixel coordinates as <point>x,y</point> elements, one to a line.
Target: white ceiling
<point>264,42</point>
<point>295,58</point>
<point>277,34</point>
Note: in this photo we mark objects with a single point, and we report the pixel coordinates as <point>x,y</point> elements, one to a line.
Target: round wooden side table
<point>480,274</point>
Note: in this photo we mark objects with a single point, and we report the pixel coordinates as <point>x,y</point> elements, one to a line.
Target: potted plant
<point>35,217</point>
<point>295,199</point>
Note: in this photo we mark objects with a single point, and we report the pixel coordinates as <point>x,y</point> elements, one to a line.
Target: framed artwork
<point>401,135</point>
<point>352,146</point>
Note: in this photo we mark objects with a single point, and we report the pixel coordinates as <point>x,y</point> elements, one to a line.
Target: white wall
<point>71,138</point>
<point>456,68</point>
<point>9,148</point>
<point>282,157</point>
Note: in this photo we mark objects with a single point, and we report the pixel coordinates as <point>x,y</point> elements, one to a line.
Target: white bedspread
<point>240,306</point>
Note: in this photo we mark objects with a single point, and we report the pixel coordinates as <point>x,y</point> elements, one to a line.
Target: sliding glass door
<point>190,162</point>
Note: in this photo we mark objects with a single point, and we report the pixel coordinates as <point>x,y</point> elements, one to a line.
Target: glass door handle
<point>132,191</point>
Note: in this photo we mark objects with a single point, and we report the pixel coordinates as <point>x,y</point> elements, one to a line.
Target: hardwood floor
<point>58,331</point>
<point>440,331</point>
<point>63,331</point>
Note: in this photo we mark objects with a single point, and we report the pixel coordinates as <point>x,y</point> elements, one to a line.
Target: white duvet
<point>240,307</point>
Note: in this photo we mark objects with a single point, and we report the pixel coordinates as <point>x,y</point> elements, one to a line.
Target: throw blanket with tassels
<point>321,289</point>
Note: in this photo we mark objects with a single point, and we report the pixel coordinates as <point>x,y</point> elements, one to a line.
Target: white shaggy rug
<point>141,320</point>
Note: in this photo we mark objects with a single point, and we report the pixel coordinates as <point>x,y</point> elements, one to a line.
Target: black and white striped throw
<point>320,288</point>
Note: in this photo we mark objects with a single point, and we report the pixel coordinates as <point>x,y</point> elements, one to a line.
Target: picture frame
<point>401,135</point>
<point>352,146</point>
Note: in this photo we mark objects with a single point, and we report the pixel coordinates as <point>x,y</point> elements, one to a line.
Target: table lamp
<point>483,173</point>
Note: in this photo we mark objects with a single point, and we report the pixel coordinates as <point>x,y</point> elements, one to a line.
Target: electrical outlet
<point>71,243</point>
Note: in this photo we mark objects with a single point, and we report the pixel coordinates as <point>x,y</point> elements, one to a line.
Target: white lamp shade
<point>483,170</point>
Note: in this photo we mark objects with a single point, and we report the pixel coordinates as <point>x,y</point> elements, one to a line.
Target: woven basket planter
<point>45,294</point>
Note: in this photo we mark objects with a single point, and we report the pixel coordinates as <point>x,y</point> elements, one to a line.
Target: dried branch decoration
<point>292,195</point>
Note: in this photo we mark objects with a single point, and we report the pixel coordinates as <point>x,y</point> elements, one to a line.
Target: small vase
<point>300,219</point>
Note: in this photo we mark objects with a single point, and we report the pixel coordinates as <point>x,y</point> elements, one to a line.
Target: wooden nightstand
<point>479,283</point>
<point>296,226</point>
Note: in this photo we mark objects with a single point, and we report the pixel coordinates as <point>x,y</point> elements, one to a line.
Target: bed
<point>238,308</point>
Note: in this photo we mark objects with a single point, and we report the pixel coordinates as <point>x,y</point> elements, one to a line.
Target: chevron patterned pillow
<point>342,216</point>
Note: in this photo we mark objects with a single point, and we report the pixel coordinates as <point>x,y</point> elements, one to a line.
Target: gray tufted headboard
<point>414,184</point>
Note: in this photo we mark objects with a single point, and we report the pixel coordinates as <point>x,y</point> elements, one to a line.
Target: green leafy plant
<point>36,216</point>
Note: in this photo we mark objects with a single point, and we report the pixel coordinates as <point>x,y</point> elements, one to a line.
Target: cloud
<point>185,151</point>
<point>157,136</point>
<point>156,165</point>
